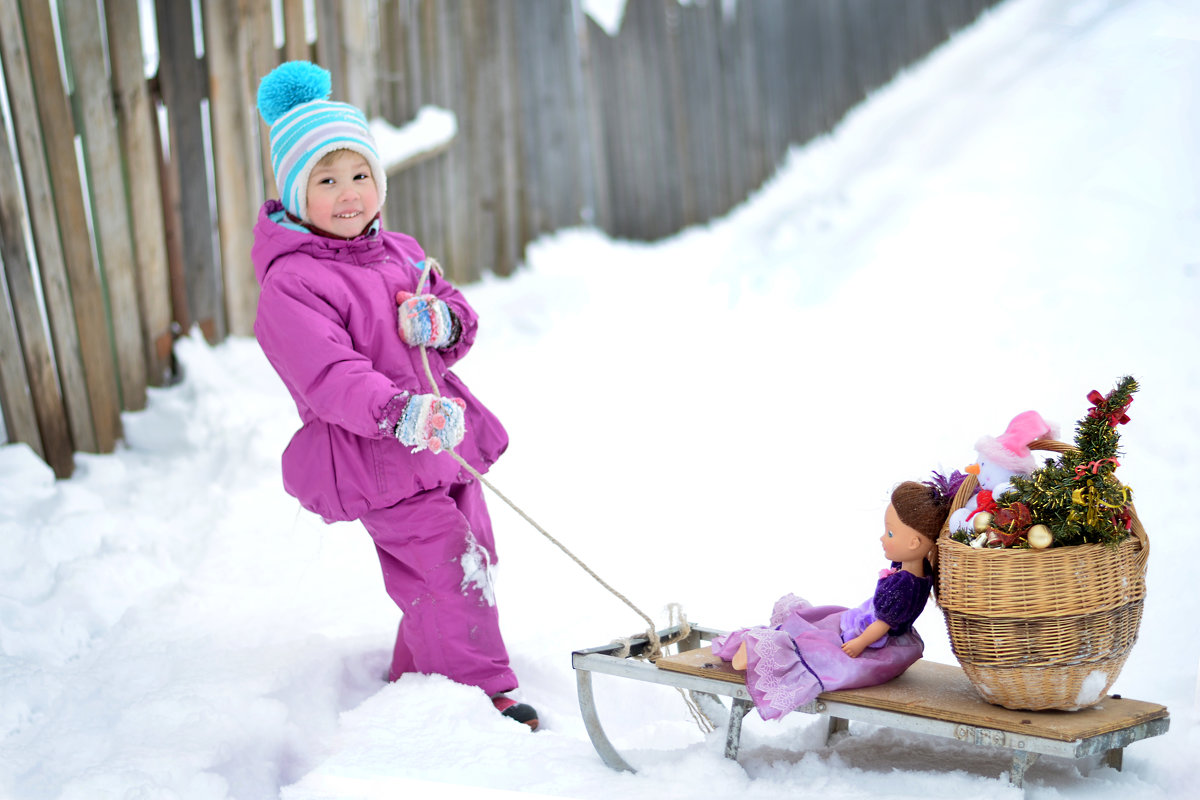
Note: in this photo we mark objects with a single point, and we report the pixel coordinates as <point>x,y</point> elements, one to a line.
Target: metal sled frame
<point>933,699</point>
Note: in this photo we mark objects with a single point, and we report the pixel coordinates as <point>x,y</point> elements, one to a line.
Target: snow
<point>715,419</point>
<point>608,14</point>
<point>1092,689</point>
<point>431,129</point>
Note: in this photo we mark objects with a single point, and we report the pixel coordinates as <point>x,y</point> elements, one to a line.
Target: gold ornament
<point>1040,537</point>
<point>982,521</point>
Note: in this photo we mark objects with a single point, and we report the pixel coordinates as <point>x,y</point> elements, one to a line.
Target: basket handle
<point>967,489</point>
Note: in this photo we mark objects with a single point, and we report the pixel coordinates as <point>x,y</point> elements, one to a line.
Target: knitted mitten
<point>431,422</point>
<point>425,320</point>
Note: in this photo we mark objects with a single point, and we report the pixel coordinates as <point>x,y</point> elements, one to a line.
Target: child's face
<point>342,196</point>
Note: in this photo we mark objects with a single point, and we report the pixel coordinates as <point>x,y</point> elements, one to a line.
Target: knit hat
<point>1011,448</point>
<point>306,126</point>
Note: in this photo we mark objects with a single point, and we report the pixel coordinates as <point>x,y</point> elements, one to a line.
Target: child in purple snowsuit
<point>341,320</point>
<point>808,649</point>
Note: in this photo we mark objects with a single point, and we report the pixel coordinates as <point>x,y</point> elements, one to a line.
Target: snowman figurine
<point>999,459</point>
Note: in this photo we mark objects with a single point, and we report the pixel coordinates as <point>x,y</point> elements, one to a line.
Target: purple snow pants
<point>435,548</point>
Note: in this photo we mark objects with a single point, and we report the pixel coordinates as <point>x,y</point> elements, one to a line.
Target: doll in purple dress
<point>806,649</point>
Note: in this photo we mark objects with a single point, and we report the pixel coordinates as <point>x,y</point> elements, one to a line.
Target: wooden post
<point>58,129</point>
<point>295,32</point>
<point>40,200</point>
<point>16,404</point>
<point>698,55</point>
<point>480,76</point>
<point>233,140</point>
<point>392,78</point>
<point>169,191</point>
<point>591,126</point>
<point>453,60</point>
<point>506,149</point>
<point>106,187</point>
<point>399,56</point>
<point>135,121</point>
<point>49,437</point>
<point>359,51</point>
<point>427,205</point>
<point>330,53</point>
<point>181,80</point>
<point>257,55</point>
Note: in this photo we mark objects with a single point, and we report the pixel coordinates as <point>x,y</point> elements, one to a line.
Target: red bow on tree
<point>1115,416</point>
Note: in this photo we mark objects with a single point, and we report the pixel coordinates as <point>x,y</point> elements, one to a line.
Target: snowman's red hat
<point>1011,448</point>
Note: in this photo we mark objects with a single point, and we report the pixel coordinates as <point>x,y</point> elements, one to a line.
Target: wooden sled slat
<point>941,691</point>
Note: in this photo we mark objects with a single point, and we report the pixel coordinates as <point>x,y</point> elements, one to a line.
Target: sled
<point>929,698</point>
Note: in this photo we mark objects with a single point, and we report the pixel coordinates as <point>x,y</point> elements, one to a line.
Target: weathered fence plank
<point>770,37</point>
<point>295,32</point>
<point>134,112</point>
<point>58,131</point>
<point>47,433</point>
<point>700,72</point>
<point>181,80</point>
<point>39,198</point>
<point>330,44</point>
<point>169,190</point>
<point>359,48</point>
<point>257,54</point>
<point>598,197</point>
<point>479,177</point>
<point>426,197</point>
<point>530,101</point>
<point>400,99</point>
<point>234,144</point>
<point>609,143</point>
<point>448,54</point>
<point>656,48</point>
<point>95,110</point>
<point>16,404</point>
<point>391,89</point>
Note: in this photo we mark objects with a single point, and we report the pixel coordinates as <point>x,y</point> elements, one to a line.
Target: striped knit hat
<point>306,126</point>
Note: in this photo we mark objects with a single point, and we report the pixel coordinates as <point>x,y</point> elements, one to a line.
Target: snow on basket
<point>1042,629</point>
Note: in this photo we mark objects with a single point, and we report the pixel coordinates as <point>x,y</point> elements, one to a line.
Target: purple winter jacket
<point>327,320</point>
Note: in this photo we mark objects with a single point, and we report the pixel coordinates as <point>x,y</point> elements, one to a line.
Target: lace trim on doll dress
<point>773,662</point>
<point>785,607</point>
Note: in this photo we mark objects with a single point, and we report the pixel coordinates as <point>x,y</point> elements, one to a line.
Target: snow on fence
<point>127,199</point>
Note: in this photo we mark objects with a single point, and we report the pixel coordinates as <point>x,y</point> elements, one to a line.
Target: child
<point>808,650</point>
<point>340,320</point>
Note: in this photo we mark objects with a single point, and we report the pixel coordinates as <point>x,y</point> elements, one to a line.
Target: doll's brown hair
<point>925,509</point>
<point>921,507</point>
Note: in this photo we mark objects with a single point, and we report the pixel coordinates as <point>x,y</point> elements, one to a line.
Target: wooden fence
<point>127,199</point>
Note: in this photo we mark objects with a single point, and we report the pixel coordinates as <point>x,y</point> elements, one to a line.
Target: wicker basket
<point>1042,629</point>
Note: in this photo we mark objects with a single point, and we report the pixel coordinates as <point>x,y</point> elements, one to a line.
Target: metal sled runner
<point>933,699</point>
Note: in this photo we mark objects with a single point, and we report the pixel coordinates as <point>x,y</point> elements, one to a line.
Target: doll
<point>806,649</point>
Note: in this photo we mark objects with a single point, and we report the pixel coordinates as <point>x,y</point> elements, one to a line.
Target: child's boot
<point>521,712</point>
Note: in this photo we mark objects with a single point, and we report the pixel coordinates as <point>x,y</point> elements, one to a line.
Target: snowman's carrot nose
<point>973,469</point>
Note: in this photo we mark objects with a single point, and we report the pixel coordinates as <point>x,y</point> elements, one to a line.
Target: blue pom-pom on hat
<point>289,85</point>
<point>306,126</point>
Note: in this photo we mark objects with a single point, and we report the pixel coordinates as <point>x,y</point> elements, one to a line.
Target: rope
<point>656,644</point>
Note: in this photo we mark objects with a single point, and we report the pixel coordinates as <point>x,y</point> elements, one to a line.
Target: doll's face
<point>901,542</point>
<point>342,196</point>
